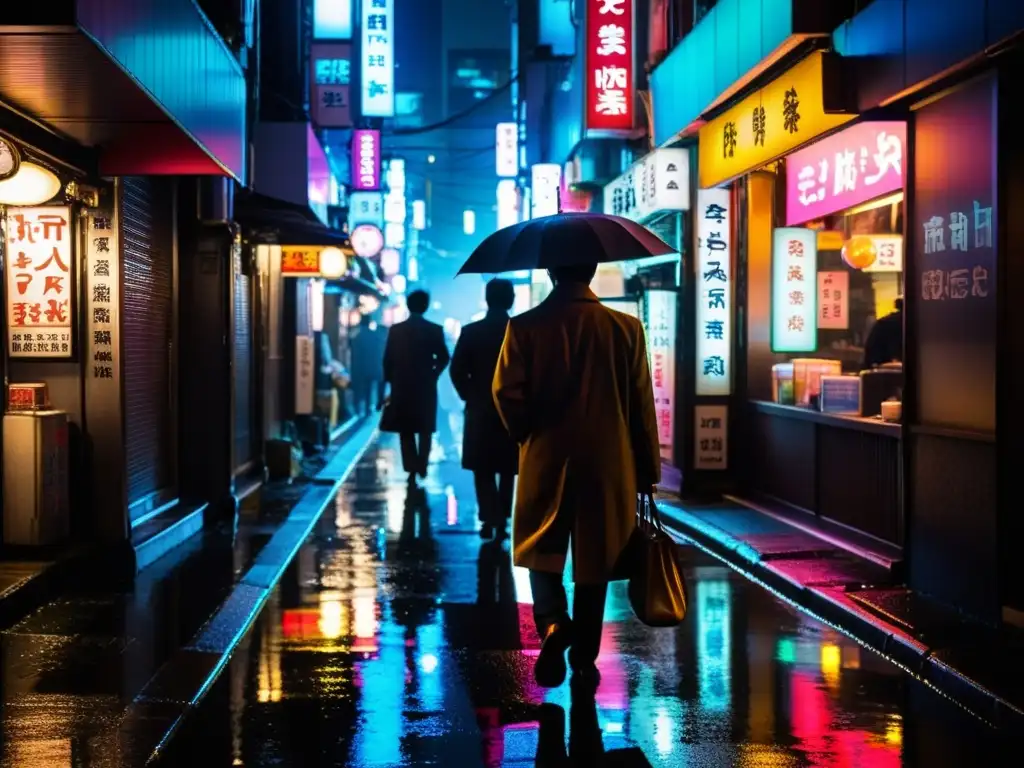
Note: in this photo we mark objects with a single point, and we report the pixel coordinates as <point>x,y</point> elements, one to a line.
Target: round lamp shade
<point>333,263</point>
<point>31,185</point>
<point>859,252</point>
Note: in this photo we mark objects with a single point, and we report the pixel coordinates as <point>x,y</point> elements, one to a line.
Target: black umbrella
<point>563,240</point>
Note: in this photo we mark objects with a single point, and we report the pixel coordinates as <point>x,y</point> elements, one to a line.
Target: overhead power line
<point>458,115</point>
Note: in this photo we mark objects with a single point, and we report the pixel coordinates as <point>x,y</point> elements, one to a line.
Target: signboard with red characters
<point>40,283</point>
<point>609,62</point>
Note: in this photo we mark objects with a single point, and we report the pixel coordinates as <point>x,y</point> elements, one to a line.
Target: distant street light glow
<point>468,222</point>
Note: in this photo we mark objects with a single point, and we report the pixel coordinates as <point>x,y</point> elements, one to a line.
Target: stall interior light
<point>31,185</point>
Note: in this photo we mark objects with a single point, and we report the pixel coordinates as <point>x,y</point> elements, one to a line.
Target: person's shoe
<point>550,669</point>
<point>486,532</point>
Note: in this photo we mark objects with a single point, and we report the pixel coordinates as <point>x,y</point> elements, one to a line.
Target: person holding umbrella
<point>487,449</point>
<point>573,388</point>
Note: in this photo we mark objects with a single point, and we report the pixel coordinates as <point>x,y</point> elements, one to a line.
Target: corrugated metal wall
<point>147,317</point>
<point>243,365</point>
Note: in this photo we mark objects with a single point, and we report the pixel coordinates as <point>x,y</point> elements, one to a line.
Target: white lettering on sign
<point>714,292</point>
<point>846,169</point>
<point>711,437</point>
<point>367,160</point>
<point>969,281</point>
<point>609,63</point>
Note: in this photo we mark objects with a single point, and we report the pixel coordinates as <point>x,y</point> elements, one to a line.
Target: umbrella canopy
<point>564,240</point>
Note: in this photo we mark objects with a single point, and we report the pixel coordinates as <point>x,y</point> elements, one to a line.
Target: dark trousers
<point>494,496</point>
<point>415,456</point>
<point>364,392</point>
<point>551,606</point>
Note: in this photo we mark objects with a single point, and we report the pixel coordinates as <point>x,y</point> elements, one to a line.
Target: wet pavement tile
<point>397,639</point>
<point>72,667</point>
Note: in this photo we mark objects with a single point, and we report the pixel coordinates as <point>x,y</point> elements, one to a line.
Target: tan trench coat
<point>573,387</point>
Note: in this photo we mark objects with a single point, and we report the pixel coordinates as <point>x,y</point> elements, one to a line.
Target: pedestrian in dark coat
<point>487,449</point>
<point>415,354</point>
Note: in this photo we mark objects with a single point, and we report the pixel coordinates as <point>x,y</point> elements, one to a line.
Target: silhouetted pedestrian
<point>414,357</point>
<point>487,449</point>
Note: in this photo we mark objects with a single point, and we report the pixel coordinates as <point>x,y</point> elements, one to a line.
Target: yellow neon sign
<point>785,114</point>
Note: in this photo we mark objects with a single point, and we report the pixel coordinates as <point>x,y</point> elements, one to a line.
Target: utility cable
<point>458,115</point>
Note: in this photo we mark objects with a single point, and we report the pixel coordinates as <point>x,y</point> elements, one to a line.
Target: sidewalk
<point>101,676</point>
<point>977,666</point>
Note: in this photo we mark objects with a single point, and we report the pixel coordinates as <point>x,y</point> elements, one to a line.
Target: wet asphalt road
<point>396,639</point>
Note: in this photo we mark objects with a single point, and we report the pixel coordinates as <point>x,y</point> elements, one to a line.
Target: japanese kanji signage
<point>953,267</point>
<point>889,254</point>
<point>853,166</point>
<point>300,261</point>
<point>785,114</point>
<point>305,374</point>
<point>711,437</point>
<point>546,179</point>
<point>609,67</point>
<point>660,323</point>
<point>834,300</point>
<point>365,160</point>
<point>40,282</point>
<point>714,292</point>
<point>331,68</point>
<point>794,290</point>
<point>506,146</point>
<point>377,34</point>
<point>365,208</point>
<point>102,298</point>
<point>660,181</point>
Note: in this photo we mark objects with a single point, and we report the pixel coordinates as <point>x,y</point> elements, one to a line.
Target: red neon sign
<point>609,65</point>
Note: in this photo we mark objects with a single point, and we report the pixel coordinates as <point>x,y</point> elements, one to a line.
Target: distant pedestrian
<point>573,387</point>
<point>487,449</point>
<point>414,357</point>
<point>367,347</point>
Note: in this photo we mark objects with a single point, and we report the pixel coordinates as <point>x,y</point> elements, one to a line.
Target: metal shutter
<point>243,360</point>
<point>146,226</point>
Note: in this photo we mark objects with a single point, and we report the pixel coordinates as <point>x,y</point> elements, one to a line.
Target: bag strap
<point>651,513</point>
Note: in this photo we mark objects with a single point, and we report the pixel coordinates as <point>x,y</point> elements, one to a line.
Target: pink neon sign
<point>844,170</point>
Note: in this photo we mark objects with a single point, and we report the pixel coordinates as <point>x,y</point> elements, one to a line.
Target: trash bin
<point>36,503</point>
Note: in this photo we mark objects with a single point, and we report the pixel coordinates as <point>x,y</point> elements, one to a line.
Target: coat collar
<point>573,292</point>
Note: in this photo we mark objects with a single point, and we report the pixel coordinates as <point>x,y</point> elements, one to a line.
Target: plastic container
<point>807,373</point>
<point>782,383</point>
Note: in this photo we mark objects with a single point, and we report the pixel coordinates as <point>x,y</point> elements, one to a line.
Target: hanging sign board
<point>40,283</point>
<point>714,292</point>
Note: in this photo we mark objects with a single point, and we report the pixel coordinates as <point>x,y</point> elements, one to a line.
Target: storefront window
<point>835,285</point>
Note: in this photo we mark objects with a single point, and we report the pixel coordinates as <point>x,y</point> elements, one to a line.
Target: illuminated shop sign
<point>507,149</point>
<point>365,208</point>
<point>660,322</point>
<point>609,66</point>
<point>777,119</point>
<point>546,178</point>
<point>365,160</point>
<point>508,203</point>
<point>40,282</point>
<point>714,292</point>
<point>331,88</point>
<point>332,19</point>
<point>660,181</point>
<point>378,58</point>
<point>794,290</point>
<point>851,167</point>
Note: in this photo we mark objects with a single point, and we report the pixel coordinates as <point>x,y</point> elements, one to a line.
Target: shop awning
<point>148,83</point>
<point>272,220</point>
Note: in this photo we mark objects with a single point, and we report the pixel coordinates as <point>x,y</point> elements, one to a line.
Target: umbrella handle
<point>558,197</point>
